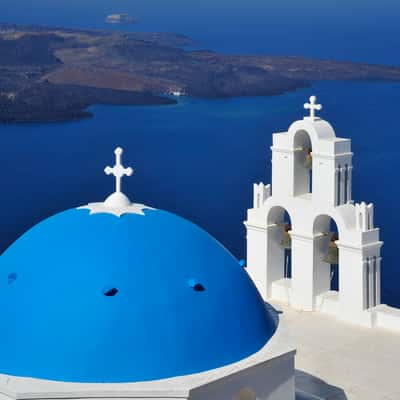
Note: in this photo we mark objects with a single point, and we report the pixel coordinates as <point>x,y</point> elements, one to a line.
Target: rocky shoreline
<point>47,102</point>
<point>49,74</point>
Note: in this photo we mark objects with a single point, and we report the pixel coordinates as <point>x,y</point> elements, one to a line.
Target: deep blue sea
<point>200,158</point>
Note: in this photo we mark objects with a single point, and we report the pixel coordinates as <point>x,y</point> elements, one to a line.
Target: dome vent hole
<point>110,292</point>
<point>196,286</point>
<point>12,277</point>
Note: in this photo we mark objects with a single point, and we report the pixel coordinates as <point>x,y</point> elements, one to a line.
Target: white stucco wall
<point>273,380</point>
<point>310,208</point>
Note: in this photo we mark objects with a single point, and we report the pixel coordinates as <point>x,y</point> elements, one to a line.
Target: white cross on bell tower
<point>118,199</point>
<point>313,106</point>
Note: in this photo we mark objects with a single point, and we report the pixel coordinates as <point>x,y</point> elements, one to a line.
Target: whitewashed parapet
<point>261,193</point>
<point>364,216</point>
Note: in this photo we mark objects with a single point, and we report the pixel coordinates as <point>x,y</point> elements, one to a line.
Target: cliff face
<point>54,73</point>
<point>28,50</point>
<point>48,102</point>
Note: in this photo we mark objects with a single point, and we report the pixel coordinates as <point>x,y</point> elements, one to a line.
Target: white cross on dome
<point>118,170</point>
<point>117,203</point>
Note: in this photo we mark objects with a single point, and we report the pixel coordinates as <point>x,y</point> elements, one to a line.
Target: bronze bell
<point>332,255</point>
<point>308,159</point>
<point>286,242</point>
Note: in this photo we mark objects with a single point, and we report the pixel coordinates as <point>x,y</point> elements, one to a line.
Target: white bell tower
<point>289,228</point>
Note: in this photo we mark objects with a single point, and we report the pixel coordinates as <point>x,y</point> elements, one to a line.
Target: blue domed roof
<point>97,298</point>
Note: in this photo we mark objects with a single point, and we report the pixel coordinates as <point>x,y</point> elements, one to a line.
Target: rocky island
<point>55,74</point>
<point>122,18</point>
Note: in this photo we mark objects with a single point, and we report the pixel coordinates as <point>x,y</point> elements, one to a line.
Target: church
<point>118,300</point>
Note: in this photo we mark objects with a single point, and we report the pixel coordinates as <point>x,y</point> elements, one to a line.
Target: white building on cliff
<point>306,224</point>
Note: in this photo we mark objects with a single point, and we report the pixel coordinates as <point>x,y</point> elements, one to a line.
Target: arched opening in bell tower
<point>303,164</point>
<point>280,243</point>
<point>326,255</point>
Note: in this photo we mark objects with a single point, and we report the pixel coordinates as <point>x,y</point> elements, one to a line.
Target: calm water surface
<point>200,157</point>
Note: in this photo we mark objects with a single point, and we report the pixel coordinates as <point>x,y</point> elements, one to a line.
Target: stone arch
<point>245,394</point>
<point>317,132</point>
<point>302,163</point>
<point>320,220</point>
<point>308,141</point>
<point>279,262</point>
<point>326,232</point>
<point>276,213</point>
<point>301,138</point>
